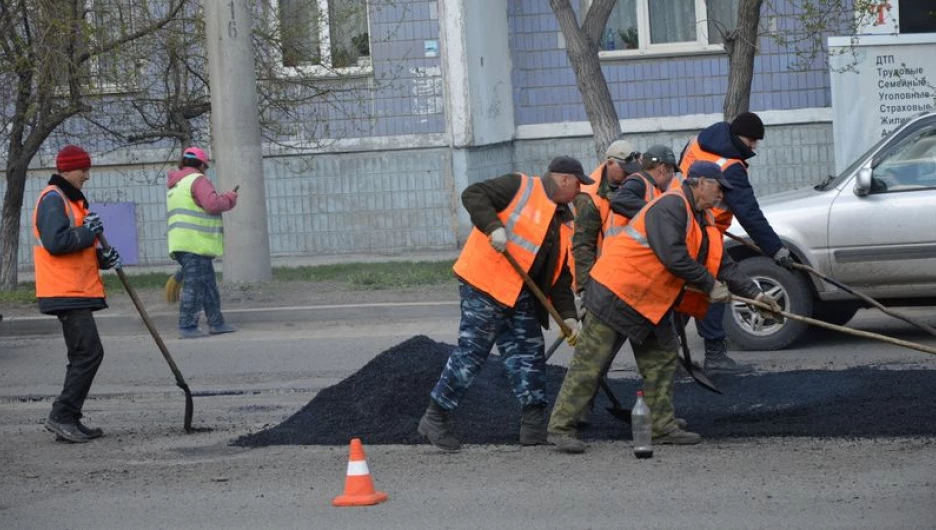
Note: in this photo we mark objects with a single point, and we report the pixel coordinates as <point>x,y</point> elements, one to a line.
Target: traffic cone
<point>359,488</point>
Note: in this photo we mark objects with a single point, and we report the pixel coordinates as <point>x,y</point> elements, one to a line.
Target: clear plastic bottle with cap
<point>641,426</point>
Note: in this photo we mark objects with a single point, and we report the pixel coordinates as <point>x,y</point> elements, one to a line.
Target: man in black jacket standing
<point>730,146</point>
<point>69,286</point>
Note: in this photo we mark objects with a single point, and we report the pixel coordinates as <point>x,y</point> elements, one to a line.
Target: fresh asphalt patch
<point>383,401</point>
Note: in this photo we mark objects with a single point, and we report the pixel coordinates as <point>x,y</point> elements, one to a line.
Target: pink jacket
<point>203,192</point>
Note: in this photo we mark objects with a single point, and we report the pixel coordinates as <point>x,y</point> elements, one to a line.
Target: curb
<point>167,322</point>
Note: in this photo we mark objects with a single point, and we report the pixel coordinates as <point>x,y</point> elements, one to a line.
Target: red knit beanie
<point>72,157</point>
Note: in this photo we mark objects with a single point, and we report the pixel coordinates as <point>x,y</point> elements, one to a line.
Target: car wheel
<point>748,330</point>
<point>838,313</point>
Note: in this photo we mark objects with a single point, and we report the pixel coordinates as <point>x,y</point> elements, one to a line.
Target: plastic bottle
<point>609,39</point>
<point>641,423</point>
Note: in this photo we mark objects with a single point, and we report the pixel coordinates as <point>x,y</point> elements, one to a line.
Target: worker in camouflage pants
<point>515,330</point>
<point>597,344</point>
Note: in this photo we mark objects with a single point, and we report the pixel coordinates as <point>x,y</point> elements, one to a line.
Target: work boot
<point>223,328</point>
<point>67,431</point>
<point>193,333</point>
<point>533,425</point>
<point>566,443</point>
<point>678,437</point>
<point>681,423</point>
<point>90,432</point>
<point>717,361</point>
<point>437,425</point>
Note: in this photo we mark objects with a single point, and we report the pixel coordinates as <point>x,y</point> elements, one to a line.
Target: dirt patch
<point>382,404</point>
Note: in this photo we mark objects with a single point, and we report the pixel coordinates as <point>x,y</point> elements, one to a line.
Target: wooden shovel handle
<point>538,293</point>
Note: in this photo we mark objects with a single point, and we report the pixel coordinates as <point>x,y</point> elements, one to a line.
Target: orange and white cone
<point>359,488</point>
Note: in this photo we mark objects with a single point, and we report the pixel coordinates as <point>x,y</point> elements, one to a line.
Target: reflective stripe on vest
<point>629,268</point>
<point>617,222</point>
<point>72,275</point>
<point>695,153</point>
<point>527,219</point>
<point>191,228</point>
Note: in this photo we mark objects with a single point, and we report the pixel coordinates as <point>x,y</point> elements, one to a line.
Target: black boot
<point>533,425</point>
<point>717,361</point>
<point>437,425</point>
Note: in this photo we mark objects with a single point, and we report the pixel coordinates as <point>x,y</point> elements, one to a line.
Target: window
<point>910,165</point>
<point>320,37</point>
<point>640,27</point>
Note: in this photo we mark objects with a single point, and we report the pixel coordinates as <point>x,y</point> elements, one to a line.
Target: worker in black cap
<point>528,217</point>
<point>730,146</point>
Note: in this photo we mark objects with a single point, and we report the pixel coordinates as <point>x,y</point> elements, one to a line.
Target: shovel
<point>180,381</point>
<point>615,410</point>
<point>861,296</point>
<point>696,371</point>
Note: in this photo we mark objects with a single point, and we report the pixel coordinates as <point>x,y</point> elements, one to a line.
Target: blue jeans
<point>199,291</point>
<point>712,326</point>
<point>516,331</point>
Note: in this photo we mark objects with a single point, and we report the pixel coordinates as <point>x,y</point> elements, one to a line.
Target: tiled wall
<point>545,89</point>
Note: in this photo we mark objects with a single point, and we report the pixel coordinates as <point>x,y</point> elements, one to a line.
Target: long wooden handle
<point>867,299</point>
<point>843,329</point>
<point>566,330</point>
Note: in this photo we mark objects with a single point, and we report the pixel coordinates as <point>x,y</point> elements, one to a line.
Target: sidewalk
<point>281,302</point>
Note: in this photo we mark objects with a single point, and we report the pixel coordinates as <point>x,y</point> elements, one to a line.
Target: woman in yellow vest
<point>196,238</point>
<point>635,285</point>
<point>69,286</point>
<point>527,217</point>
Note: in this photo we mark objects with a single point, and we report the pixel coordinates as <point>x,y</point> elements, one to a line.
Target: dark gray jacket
<point>60,238</point>
<point>485,199</point>
<point>666,233</point>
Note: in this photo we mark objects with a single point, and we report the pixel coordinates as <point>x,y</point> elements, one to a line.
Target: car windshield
<point>832,180</point>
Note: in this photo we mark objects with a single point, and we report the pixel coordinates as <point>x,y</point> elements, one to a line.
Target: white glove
<point>775,308</point>
<point>719,293</point>
<point>498,239</point>
<point>574,330</point>
<point>784,258</point>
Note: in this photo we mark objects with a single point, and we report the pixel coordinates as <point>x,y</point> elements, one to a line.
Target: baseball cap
<point>197,153</point>
<point>710,170</point>
<point>571,166</point>
<point>623,151</point>
<point>660,154</point>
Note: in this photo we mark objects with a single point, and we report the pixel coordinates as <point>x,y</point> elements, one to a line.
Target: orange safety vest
<point>629,268</point>
<point>72,275</point>
<point>694,153</point>
<point>527,219</point>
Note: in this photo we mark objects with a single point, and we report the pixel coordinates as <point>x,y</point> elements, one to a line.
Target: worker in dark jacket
<point>658,167</point>
<point>639,280</point>
<point>528,218</point>
<point>69,286</point>
<point>730,146</point>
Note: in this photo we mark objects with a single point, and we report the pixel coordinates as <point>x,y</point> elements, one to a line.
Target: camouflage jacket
<point>588,226</point>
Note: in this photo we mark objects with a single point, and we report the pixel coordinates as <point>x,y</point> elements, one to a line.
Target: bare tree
<point>582,49</point>
<point>49,58</point>
<point>740,45</point>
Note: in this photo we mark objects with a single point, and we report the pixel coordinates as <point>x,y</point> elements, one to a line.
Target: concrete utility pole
<point>235,128</point>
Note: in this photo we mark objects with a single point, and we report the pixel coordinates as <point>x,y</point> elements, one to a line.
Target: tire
<point>747,330</point>
<point>838,313</point>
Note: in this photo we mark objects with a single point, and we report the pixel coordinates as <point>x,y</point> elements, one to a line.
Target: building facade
<point>450,92</point>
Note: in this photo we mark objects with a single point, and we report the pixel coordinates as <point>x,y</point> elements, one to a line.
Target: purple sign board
<point>120,228</point>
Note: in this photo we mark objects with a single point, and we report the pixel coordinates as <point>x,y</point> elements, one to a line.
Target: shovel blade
<point>698,374</point>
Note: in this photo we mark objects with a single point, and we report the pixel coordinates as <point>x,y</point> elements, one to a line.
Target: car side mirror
<point>863,181</point>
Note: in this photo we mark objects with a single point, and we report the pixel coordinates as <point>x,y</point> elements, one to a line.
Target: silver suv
<point>873,228</point>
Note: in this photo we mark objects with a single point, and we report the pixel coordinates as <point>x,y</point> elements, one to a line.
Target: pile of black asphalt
<point>383,401</point>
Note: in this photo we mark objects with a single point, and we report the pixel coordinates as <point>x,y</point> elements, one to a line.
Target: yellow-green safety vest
<point>191,228</point>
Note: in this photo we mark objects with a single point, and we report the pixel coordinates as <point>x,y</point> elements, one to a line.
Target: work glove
<point>92,222</point>
<point>719,293</point>
<point>574,330</point>
<point>231,196</point>
<point>498,239</point>
<point>784,258</point>
<point>775,308</point>
<point>110,259</point>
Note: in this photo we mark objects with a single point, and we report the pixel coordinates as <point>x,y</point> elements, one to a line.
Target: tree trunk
<point>583,56</point>
<point>741,45</point>
<point>9,234</point>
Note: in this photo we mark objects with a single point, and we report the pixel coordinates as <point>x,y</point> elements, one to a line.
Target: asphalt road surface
<point>146,473</point>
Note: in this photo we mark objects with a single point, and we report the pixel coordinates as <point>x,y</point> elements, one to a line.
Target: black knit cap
<point>749,125</point>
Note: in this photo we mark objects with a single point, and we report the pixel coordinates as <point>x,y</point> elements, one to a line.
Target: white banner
<point>878,82</point>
